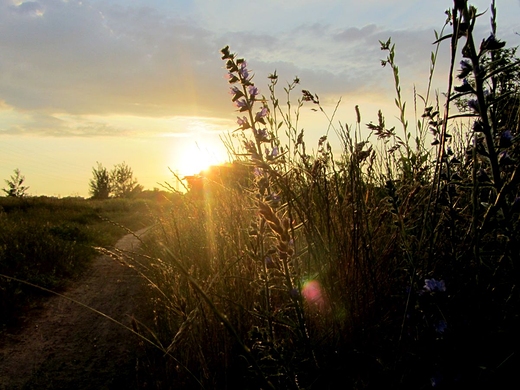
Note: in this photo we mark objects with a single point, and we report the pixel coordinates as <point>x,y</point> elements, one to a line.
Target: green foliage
<point>119,182</point>
<point>49,241</point>
<point>100,184</point>
<point>15,187</point>
<point>124,185</point>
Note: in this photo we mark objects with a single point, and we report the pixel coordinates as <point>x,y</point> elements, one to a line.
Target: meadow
<point>49,242</point>
<point>392,264</point>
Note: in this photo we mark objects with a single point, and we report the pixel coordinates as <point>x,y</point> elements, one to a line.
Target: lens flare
<point>313,294</point>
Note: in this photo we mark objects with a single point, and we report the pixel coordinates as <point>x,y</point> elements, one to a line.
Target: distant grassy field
<point>48,242</point>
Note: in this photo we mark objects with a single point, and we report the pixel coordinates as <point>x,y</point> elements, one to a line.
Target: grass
<point>390,264</point>
<point>49,242</point>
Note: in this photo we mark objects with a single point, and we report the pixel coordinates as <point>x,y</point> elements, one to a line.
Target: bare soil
<point>63,345</point>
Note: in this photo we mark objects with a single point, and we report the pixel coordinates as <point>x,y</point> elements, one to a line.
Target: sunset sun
<point>196,157</point>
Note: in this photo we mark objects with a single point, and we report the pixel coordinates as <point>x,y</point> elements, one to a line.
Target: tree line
<point>116,183</point>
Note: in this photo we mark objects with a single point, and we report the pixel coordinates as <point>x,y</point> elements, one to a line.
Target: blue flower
<point>505,158</point>
<point>506,139</point>
<point>465,69</point>
<point>432,285</point>
<point>491,43</point>
<point>473,104</point>
<point>441,326</point>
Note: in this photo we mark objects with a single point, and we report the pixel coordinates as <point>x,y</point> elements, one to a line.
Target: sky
<point>142,82</point>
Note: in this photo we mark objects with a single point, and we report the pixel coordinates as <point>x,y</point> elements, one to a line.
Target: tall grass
<point>392,263</point>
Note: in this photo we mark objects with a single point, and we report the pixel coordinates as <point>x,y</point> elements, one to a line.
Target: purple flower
<point>465,69</point>
<point>491,43</point>
<point>261,114</point>
<point>234,90</point>
<point>261,135</point>
<point>295,293</point>
<point>432,285</point>
<point>441,326</point>
<point>242,122</point>
<point>232,78</point>
<point>506,139</point>
<point>241,104</point>
<point>473,104</point>
<point>271,154</point>
<point>253,91</point>
<point>505,158</point>
<point>465,87</point>
<point>244,73</point>
<point>258,172</point>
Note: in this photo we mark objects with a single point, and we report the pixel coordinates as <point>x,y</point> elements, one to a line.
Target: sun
<point>195,158</point>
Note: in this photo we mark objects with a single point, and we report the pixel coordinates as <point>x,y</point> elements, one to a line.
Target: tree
<point>124,185</point>
<point>15,187</point>
<point>100,184</point>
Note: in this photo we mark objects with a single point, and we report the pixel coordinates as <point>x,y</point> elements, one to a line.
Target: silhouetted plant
<point>15,187</point>
<point>100,185</point>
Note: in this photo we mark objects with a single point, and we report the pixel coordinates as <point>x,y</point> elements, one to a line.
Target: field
<point>392,263</point>
<point>49,242</point>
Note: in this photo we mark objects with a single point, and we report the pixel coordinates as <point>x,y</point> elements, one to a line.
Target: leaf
<point>442,39</point>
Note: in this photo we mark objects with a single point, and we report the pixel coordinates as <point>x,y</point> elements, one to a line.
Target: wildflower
<point>465,69</point>
<point>505,158</point>
<point>432,285</point>
<point>232,78</point>
<point>473,104</point>
<point>261,135</point>
<point>244,73</point>
<point>465,87</point>
<point>441,326</point>
<point>258,172</point>
<point>236,92</point>
<point>506,139</point>
<point>491,43</point>
<point>243,123</point>
<point>261,114</point>
<point>253,91</point>
<point>271,155</point>
<point>436,380</point>
<point>242,104</point>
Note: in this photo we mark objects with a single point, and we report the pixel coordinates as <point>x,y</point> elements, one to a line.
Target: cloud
<point>161,59</point>
<point>80,59</point>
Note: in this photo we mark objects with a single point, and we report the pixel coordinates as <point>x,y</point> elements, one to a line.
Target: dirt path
<point>67,346</point>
